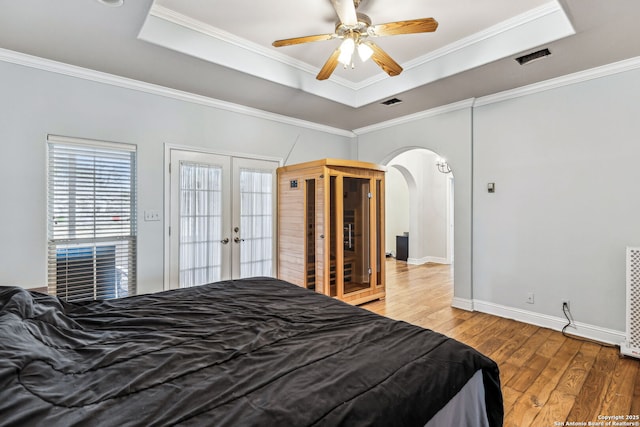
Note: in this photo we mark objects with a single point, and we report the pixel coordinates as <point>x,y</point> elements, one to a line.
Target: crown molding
<point>512,24</point>
<point>127,83</point>
<point>177,18</point>
<point>540,26</point>
<point>30,61</point>
<point>569,79</point>
<point>530,17</point>
<point>186,35</point>
<point>461,105</point>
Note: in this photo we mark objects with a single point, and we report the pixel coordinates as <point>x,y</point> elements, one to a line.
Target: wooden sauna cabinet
<point>331,228</point>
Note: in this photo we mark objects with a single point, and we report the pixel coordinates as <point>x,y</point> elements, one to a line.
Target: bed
<point>254,352</point>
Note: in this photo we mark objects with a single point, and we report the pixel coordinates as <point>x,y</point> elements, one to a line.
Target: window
<point>91,219</point>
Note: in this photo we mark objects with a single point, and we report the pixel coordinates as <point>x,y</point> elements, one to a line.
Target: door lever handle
<point>224,241</point>
<point>238,240</point>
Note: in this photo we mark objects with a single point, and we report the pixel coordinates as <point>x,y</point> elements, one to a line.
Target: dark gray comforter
<point>255,352</point>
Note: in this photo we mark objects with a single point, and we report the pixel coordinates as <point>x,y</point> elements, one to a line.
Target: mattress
<point>249,352</point>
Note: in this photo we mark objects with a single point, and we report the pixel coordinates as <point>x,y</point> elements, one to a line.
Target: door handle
<point>224,241</point>
<point>238,240</point>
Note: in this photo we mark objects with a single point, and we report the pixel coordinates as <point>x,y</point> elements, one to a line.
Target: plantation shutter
<point>91,219</point>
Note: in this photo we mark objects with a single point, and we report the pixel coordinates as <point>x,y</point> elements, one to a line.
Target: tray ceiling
<point>219,51</point>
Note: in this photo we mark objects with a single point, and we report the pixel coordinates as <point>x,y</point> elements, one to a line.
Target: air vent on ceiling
<point>533,56</point>
<point>112,3</point>
<point>392,101</point>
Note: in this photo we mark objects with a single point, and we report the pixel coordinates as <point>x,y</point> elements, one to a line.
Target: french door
<point>221,218</point>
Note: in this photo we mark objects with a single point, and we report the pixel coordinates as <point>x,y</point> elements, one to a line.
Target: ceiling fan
<point>355,30</point>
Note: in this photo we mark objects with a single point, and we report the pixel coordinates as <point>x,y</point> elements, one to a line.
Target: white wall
<point>34,103</point>
<point>396,208</point>
<point>447,133</point>
<point>566,163</point>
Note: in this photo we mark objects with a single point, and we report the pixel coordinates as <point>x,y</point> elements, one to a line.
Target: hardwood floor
<point>547,379</point>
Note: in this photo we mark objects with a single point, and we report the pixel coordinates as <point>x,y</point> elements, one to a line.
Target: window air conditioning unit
<point>85,273</point>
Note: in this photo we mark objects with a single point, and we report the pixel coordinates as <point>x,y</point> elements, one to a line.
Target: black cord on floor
<point>567,314</point>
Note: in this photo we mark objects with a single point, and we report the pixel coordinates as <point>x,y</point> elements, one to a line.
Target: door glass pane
<point>256,223</point>
<point>310,224</point>
<point>380,251</point>
<point>356,223</point>
<point>200,224</point>
<point>333,245</point>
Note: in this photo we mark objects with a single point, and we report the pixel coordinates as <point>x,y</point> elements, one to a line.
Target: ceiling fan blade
<point>346,11</point>
<point>329,66</point>
<point>425,25</point>
<point>383,60</point>
<point>305,39</point>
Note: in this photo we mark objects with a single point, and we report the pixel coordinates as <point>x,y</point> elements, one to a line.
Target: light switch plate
<point>152,215</point>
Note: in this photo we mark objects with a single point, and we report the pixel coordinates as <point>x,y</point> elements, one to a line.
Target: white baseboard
<point>462,303</point>
<point>584,330</point>
<point>424,260</point>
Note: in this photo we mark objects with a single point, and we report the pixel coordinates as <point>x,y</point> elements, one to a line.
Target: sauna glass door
<point>356,225</point>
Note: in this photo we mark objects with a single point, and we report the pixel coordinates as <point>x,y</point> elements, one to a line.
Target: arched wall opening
<point>449,133</point>
<point>419,206</point>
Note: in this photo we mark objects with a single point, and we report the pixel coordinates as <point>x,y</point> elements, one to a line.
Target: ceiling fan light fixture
<point>353,28</point>
<point>364,51</point>
<point>346,51</point>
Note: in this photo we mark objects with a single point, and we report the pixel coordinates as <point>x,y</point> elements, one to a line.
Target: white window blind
<point>91,219</point>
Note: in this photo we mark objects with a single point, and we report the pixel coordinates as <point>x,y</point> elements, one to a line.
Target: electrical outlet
<point>530,298</point>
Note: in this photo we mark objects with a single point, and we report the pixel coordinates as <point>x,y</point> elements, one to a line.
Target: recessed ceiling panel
<point>263,22</point>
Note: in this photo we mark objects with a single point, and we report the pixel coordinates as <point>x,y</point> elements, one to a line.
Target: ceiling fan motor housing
<point>362,27</point>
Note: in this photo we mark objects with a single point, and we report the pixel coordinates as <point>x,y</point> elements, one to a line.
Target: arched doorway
<point>419,199</point>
